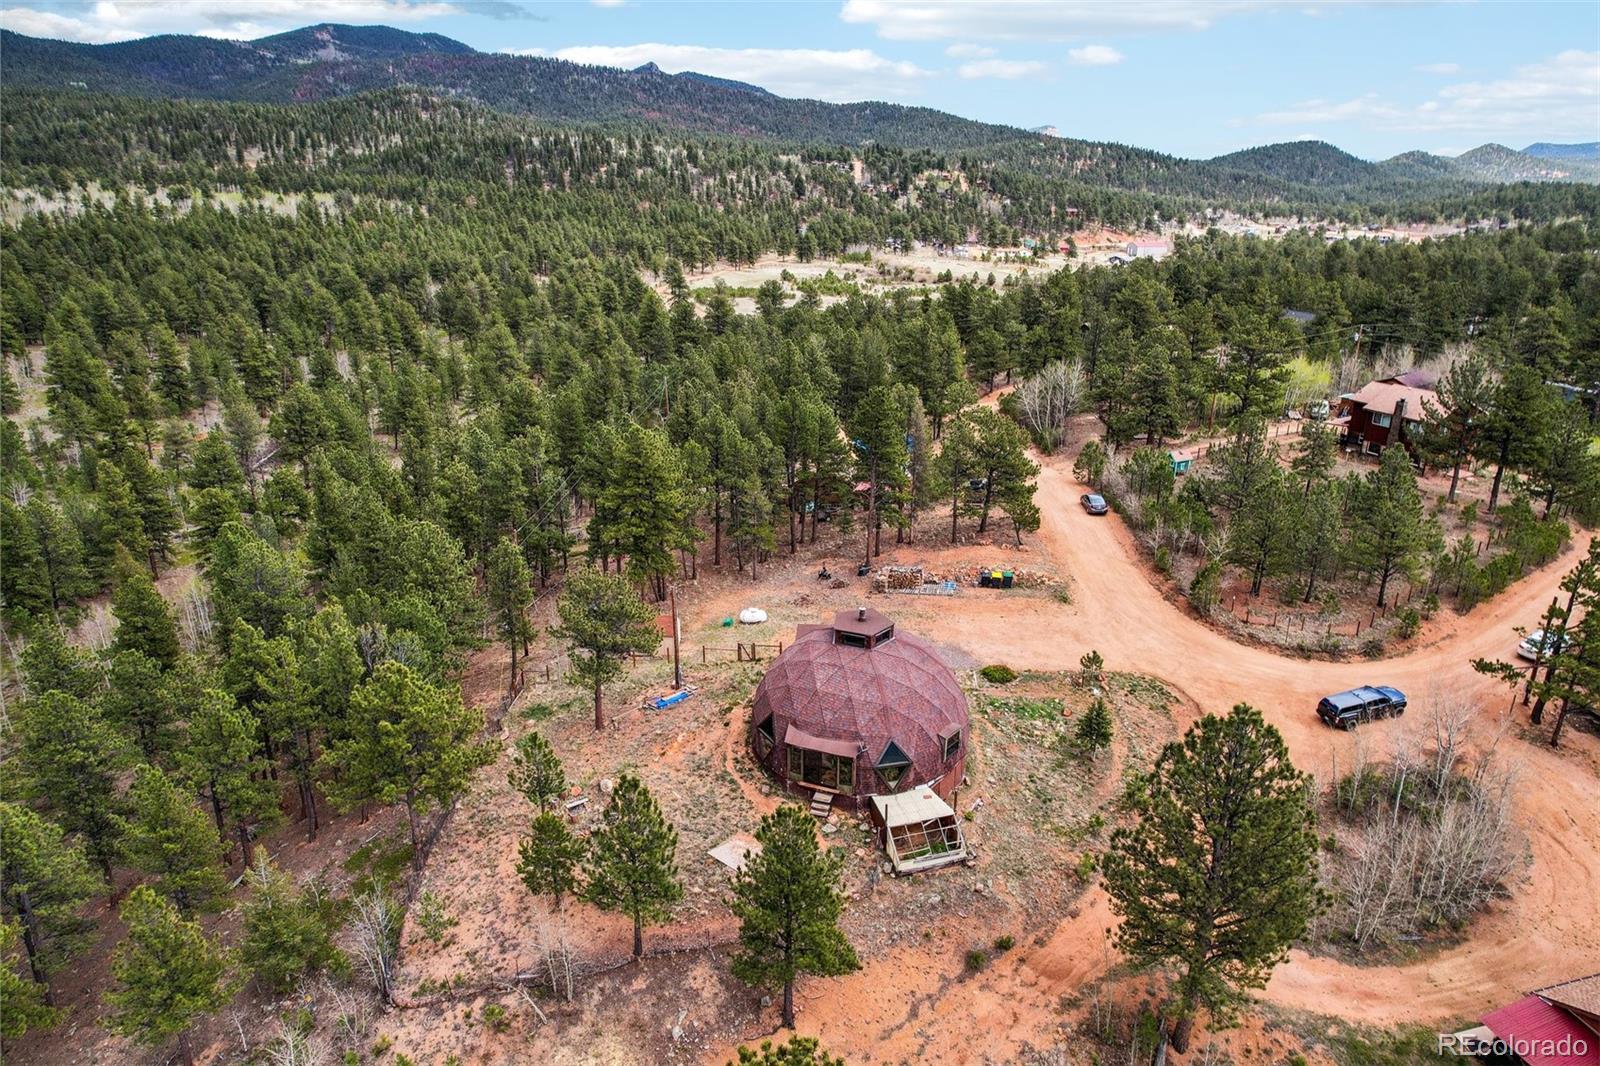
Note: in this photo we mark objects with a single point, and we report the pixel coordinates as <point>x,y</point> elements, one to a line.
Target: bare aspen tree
<point>375,928</point>
<point>294,1046</point>
<point>1046,400</point>
<point>1448,721</point>
<point>1437,858</point>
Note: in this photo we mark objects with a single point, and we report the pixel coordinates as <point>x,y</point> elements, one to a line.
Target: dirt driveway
<point>1548,931</point>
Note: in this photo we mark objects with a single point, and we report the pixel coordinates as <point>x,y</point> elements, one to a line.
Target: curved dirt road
<point>1548,931</point>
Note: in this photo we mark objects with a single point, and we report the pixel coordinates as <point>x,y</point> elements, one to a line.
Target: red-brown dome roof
<point>897,691</point>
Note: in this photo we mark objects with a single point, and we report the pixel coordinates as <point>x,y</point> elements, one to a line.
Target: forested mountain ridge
<point>1496,162</point>
<point>693,196</point>
<point>330,61</point>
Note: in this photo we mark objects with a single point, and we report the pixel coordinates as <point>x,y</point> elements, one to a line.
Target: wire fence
<point>1241,609</point>
<point>739,652</point>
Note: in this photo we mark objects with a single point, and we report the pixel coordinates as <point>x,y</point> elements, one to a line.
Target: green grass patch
<point>1042,709</point>
<point>538,712</point>
<point>378,862</point>
<point>1364,1045</point>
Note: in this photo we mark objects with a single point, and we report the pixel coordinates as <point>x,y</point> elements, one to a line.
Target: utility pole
<point>677,668</point>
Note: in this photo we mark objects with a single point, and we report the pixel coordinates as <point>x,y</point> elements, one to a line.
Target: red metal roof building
<point>856,708</point>
<point>1554,1026</point>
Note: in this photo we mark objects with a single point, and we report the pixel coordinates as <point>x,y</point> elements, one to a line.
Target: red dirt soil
<point>1547,931</point>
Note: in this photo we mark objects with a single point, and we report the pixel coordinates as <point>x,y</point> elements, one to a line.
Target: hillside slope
<point>327,62</point>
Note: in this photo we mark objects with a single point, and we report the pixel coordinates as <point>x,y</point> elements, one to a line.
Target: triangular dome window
<point>893,764</point>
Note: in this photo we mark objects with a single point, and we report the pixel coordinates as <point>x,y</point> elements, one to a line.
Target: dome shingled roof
<point>898,691</point>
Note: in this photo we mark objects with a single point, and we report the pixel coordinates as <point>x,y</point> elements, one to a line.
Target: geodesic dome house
<point>856,709</point>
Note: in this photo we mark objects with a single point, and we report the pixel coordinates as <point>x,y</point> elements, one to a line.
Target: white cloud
<point>1094,55</point>
<point>33,23</point>
<point>1042,20</point>
<point>1554,98</point>
<point>122,20</point>
<point>821,74</point>
<point>1439,68</point>
<point>969,51</point>
<point>1004,69</point>
<point>609,3</point>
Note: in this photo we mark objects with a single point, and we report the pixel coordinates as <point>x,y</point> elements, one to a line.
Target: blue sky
<point>1192,77</point>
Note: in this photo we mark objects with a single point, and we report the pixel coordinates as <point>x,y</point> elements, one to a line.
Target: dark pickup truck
<point>1347,709</point>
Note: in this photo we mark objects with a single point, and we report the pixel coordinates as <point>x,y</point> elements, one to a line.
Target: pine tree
<point>287,930</point>
<point>1565,471</point>
<point>1519,409</point>
<point>241,431</point>
<point>632,864</point>
<point>171,839</point>
<point>536,771</point>
<point>1000,460</point>
<point>59,552</point>
<point>252,581</point>
<point>1093,733</point>
<point>223,762</point>
<point>955,466</point>
<point>291,721</point>
<point>144,623</point>
<point>120,525</point>
<point>138,702</point>
<point>70,757</point>
<point>24,1004</point>
<point>1259,537</point>
<point>210,512</point>
<point>647,503</point>
<point>1317,537</point>
<point>50,664</point>
<point>300,427</point>
<point>216,467</point>
<point>548,858</point>
<point>1389,521</point>
<point>1256,368</point>
<point>44,883</point>
<point>1455,424</point>
<point>1154,390</point>
<point>510,590</point>
<point>168,975</point>
<point>158,515</point>
<point>878,435</point>
<point>1314,456</point>
<point>788,903</point>
<point>796,1051</point>
<point>602,620</point>
<point>24,582</point>
<point>409,742</point>
<point>1219,875</point>
<point>330,664</point>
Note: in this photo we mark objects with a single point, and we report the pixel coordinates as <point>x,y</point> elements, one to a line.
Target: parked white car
<point>1529,648</point>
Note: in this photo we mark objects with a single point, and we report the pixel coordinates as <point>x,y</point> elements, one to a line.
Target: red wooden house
<point>1383,412</point>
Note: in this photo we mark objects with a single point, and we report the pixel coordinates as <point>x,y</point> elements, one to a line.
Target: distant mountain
<point>330,61</point>
<point>1546,150</point>
<point>1496,162</point>
<point>1314,163</point>
<point>1419,166</point>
